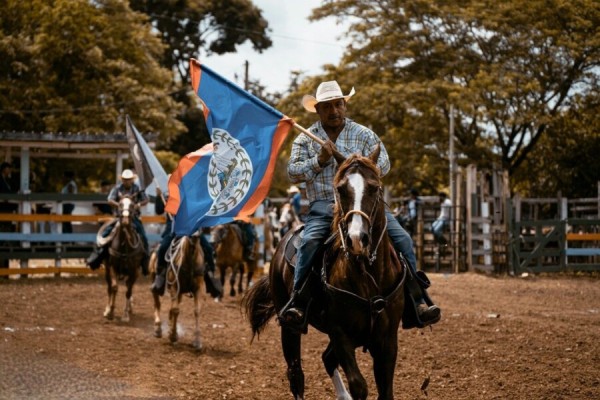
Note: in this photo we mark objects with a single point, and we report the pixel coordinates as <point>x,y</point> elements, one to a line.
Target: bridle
<point>343,225</point>
<point>377,303</point>
<point>132,239</point>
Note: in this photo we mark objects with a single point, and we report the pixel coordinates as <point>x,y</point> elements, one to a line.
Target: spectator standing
<point>5,206</point>
<point>414,203</point>
<point>439,225</point>
<point>70,187</point>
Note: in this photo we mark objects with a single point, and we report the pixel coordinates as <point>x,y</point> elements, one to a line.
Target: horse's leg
<point>128,310</point>
<point>384,353</point>
<point>173,314</point>
<point>331,366</point>
<point>241,267</point>
<point>250,274</point>
<point>222,270</point>
<point>291,344</point>
<point>197,339</point>
<point>234,270</point>
<point>112,289</point>
<point>157,322</point>
<point>344,351</point>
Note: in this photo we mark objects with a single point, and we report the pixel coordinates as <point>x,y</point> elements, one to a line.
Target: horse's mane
<point>354,161</point>
<point>182,248</point>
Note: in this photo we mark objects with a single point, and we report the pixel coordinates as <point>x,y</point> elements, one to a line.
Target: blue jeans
<point>437,227</point>
<point>318,227</point>
<point>139,228</point>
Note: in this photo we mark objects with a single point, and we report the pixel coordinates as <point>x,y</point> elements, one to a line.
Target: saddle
<point>410,318</point>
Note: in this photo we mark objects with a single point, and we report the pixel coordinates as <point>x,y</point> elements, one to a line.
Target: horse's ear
<point>374,156</point>
<point>339,157</point>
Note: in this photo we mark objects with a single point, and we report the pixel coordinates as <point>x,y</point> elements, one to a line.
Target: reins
<point>377,303</point>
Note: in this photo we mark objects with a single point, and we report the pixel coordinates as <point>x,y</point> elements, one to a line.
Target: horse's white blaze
<point>357,183</point>
<point>338,384</point>
<point>287,215</point>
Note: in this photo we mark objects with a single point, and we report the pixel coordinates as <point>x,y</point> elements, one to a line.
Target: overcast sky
<point>297,45</point>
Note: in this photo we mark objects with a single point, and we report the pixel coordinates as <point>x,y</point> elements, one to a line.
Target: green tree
<point>510,68</point>
<point>82,66</point>
<point>188,27</point>
<point>197,29</point>
<point>566,160</point>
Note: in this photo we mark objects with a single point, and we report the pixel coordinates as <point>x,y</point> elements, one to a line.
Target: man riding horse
<point>313,164</point>
<point>127,188</point>
<point>167,237</point>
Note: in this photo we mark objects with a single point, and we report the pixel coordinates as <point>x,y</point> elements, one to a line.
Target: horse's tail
<point>258,305</point>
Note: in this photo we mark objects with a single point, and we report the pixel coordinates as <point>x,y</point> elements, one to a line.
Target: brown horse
<point>185,274</point>
<point>360,298</point>
<point>229,250</point>
<point>288,219</point>
<point>126,251</point>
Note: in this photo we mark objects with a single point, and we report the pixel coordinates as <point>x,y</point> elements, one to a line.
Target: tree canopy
<point>77,65</point>
<point>197,29</point>
<point>513,71</point>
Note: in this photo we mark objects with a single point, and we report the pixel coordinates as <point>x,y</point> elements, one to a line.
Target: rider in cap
<point>129,188</point>
<point>158,286</point>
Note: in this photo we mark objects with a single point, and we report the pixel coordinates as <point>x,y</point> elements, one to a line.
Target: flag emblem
<point>229,173</point>
<point>227,179</point>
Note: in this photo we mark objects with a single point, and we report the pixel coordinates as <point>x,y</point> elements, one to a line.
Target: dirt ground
<point>499,338</point>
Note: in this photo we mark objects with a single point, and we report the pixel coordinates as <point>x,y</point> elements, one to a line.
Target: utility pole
<point>246,82</point>
<point>452,162</point>
<point>452,167</point>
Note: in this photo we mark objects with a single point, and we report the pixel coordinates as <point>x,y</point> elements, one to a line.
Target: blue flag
<point>229,178</point>
<point>147,166</point>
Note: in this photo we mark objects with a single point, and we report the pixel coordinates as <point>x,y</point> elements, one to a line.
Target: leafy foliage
<point>82,66</point>
<point>512,70</point>
<point>187,29</point>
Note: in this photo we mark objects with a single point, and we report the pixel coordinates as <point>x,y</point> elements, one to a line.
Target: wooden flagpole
<point>309,134</point>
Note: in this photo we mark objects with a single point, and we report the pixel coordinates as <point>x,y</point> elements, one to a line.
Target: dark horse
<point>185,275</point>
<point>229,250</point>
<point>126,251</point>
<point>360,299</point>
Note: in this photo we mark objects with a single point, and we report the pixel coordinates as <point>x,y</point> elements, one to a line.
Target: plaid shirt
<point>119,191</point>
<point>304,167</point>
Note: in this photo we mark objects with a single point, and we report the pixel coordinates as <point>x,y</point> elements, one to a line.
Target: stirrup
<point>428,315</point>
<point>293,316</point>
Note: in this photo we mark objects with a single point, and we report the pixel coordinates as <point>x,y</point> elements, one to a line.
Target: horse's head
<point>358,195</point>
<point>287,216</point>
<point>126,210</point>
<point>218,233</point>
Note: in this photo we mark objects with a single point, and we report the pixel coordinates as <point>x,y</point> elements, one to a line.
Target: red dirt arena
<point>499,338</point>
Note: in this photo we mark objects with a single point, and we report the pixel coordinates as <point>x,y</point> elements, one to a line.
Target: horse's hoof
<point>232,292</point>
<point>109,315</point>
<point>158,331</point>
<point>197,345</point>
<point>125,318</point>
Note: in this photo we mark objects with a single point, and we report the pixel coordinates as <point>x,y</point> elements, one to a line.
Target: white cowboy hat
<point>127,174</point>
<point>293,189</point>
<point>326,91</point>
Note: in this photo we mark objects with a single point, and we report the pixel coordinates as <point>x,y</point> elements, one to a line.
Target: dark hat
<point>5,164</point>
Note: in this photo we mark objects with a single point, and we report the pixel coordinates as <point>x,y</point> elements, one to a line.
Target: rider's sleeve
<point>142,196</point>
<point>159,205</point>
<point>371,141</point>
<point>113,195</point>
<point>303,165</point>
